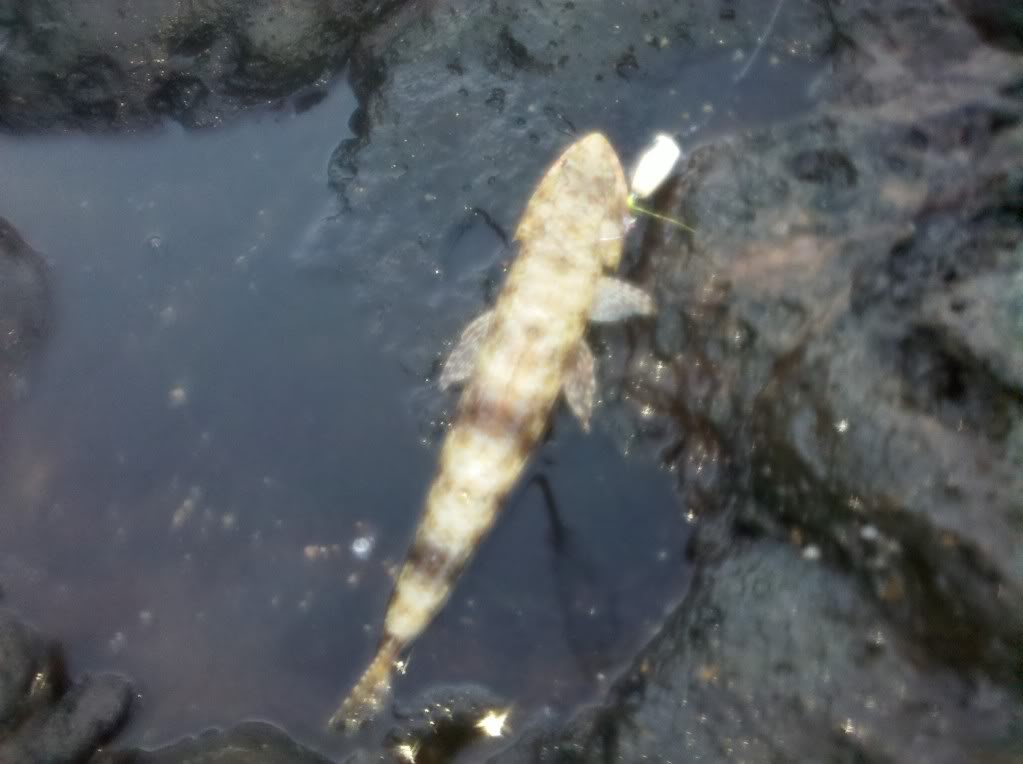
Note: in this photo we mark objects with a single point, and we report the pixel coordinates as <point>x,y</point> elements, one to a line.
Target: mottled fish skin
<point>570,235</point>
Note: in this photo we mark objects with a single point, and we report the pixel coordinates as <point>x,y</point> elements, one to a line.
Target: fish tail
<point>370,692</point>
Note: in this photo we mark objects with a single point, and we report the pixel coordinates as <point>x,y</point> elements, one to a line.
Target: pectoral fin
<point>617,300</point>
<point>580,384</point>
<point>462,360</point>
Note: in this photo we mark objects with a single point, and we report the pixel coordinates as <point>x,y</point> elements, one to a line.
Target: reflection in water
<point>219,461</point>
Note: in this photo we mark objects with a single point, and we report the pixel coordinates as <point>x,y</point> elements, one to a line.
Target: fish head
<point>595,153</point>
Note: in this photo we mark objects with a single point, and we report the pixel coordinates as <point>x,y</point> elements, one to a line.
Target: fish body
<point>515,361</point>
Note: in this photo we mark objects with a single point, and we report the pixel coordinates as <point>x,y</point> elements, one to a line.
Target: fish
<point>515,361</point>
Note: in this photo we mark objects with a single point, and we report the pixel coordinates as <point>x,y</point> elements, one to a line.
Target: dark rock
<point>1000,23</point>
<point>774,657</point>
<point>81,720</point>
<point>44,718</point>
<point>836,370</point>
<point>839,347</point>
<point>883,50</point>
<point>826,166</point>
<point>437,143</point>
<point>834,374</point>
<point>90,64</point>
<point>23,658</point>
<point>442,721</point>
<point>836,365</point>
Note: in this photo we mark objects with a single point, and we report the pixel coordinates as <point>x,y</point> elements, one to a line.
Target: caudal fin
<point>370,692</point>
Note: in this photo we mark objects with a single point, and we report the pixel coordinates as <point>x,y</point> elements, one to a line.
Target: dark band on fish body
<point>500,420</point>
<point>428,559</point>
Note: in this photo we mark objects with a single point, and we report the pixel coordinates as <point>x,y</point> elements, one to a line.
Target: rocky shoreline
<point>835,374</point>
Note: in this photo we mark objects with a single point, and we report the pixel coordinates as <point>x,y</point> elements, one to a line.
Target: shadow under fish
<point>587,601</point>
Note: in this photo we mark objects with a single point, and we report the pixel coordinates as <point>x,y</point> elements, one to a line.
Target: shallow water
<point>210,428</point>
<point>221,453</point>
<point>200,415</point>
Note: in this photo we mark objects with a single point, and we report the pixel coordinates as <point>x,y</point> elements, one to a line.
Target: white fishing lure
<point>654,166</point>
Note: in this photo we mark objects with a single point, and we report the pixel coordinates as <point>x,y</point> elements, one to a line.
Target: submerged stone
<point>93,64</point>
<point>44,716</point>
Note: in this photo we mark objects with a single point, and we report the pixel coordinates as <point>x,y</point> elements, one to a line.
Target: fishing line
<point>768,31</point>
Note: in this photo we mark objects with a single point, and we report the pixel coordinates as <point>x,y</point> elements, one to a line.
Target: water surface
<point>220,457</point>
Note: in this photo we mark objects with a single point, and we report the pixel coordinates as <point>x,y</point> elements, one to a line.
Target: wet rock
<point>25,308</point>
<point>462,107</point>
<point>834,373</point>
<point>1000,23</point>
<point>22,658</point>
<point>839,349</point>
<point>443,721</point>
<point>248,743</point>
<point>43,716</point>
<point>867,336</point>
<point>110,64</point>
<point>776,657</point>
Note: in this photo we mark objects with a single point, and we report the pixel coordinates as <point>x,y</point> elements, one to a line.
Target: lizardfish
<point>515,360</point>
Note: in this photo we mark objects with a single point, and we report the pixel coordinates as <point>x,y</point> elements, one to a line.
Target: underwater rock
<point>442,721</point>
<point>43,716</point>
<point>247,743</point>
<point>107,64</point>
<point>25,308</point>
<point>777,657</point>
<point>463,105</point>
<point>839,348</point>
<point>1000,23</point>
